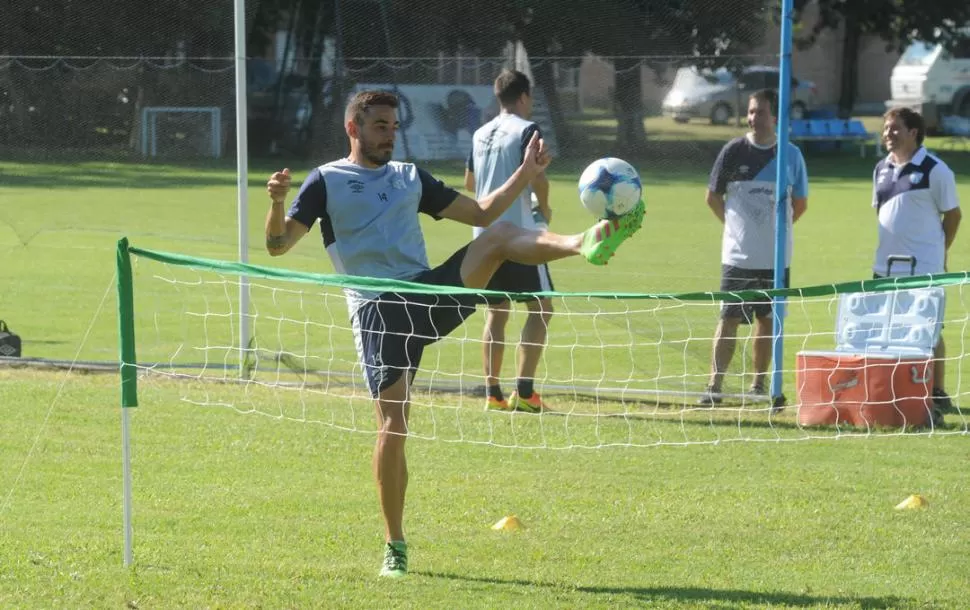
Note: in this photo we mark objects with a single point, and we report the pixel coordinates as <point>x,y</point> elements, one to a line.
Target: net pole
<point>781,200</point>
<point>242,172</point>
<point>129,382</point>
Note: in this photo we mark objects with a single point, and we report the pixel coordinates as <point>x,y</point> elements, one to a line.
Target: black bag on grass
<point>9,342</point>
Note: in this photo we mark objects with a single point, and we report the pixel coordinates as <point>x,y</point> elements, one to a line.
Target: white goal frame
<point>149,126</point>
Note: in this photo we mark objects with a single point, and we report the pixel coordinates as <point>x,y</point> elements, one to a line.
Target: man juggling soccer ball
<point>368,209</point>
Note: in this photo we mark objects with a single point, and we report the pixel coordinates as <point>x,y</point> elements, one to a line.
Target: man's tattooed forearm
<point>275,242</point>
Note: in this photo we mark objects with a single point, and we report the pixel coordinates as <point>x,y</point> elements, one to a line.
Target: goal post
<point>149,126</point>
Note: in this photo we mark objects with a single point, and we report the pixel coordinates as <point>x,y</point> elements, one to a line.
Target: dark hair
<point>510,85</point>
<point>767,96</point>
<point>365,100</point>
<point>911,119</point>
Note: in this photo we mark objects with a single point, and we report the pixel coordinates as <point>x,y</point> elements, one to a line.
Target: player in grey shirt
<point>368,209</point>
<point>497,151</point>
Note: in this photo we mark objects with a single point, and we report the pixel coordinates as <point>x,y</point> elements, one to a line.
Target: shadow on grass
<point>699,595</point>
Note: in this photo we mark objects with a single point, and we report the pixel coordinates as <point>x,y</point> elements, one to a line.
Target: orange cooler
<point>881,372</point>
<point>863,390</point>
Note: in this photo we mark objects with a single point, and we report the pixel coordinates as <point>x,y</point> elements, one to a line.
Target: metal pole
<point>242,172</point>
<point>782,204</point>
<point>129,382</point>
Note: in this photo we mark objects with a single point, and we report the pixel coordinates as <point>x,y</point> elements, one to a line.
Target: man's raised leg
<point>504,241</point>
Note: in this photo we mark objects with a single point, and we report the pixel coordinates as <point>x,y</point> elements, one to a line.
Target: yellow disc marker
<point>509,524</point>
<point>914,501</point>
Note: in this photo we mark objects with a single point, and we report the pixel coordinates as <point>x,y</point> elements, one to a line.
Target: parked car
<point>718,94</point>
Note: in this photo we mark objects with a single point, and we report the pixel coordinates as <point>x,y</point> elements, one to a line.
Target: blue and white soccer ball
<point>609,187</point>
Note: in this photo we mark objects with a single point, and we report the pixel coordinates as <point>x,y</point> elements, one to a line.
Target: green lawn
<point>237,510</point>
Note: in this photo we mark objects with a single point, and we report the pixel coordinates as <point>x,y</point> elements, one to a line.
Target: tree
<point>897,22</point>
<point>63,91</point>
<point>628,31</point>
<point>695,31</point>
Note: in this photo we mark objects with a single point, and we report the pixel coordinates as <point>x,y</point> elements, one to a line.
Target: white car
<point>718,95</point>
<point>933,82</point>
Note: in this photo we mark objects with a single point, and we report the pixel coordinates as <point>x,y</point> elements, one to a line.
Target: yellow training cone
<point>509,524</point>
<point>914,501</point>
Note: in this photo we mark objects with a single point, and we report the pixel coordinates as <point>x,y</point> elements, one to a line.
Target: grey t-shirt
<point>498,148</point>
<point>369,217</point>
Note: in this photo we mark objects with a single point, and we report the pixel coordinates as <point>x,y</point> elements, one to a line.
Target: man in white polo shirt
<point>915,197</point>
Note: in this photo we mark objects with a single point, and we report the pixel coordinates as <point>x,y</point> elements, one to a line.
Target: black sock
<point>524,388</point>
<point>494,391</point>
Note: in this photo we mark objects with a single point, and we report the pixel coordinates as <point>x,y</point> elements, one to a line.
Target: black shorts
<point>735,279</point>
<point>516,277</point>
<point>392,330</point>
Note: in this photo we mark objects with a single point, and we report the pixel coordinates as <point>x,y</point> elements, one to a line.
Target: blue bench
<point>833,130</point>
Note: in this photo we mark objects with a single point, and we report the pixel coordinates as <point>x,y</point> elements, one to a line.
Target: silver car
<point>718,95</point>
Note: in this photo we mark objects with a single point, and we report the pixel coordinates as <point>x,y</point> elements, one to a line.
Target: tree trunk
<point>631,137</point>
<point>850,66</point>
<point>326,130</point>
<point>546,82</point>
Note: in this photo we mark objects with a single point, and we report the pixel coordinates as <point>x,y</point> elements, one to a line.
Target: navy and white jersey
<point>744,174</point>
<point>369,217</point>
<point>909,200</point>
<point>498,148</point>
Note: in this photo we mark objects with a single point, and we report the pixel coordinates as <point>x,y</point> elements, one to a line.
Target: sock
<point>524,388</point>
<point>399,545</point>
<point>494,391</point>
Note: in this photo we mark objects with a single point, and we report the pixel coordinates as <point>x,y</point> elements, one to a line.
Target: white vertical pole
<point>144,132</point>
<point>154,136</point>
<point>126,484</point>
<point>242,172</point>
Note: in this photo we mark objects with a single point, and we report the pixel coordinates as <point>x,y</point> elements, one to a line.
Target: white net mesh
<point>625,371</point>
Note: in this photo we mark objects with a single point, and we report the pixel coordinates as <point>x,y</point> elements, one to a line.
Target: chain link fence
<point>97,105</point>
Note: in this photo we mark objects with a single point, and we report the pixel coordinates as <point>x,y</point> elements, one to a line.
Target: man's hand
<point>278,186</point>
<point>537,157</point>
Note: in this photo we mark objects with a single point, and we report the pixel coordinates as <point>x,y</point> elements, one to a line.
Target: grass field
<point>236,510</point>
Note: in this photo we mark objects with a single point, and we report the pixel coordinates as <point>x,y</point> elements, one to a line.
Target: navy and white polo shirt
<point>909,200</point>
<point>744,174</point>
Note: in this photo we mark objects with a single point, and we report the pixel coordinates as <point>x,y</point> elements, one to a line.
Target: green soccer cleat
<point>395,560</point>
<point>533,404</point>
<point>602,239</point>
<point>494,404</point>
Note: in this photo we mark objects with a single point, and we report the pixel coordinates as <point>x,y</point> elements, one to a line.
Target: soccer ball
<point>609,187</point>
